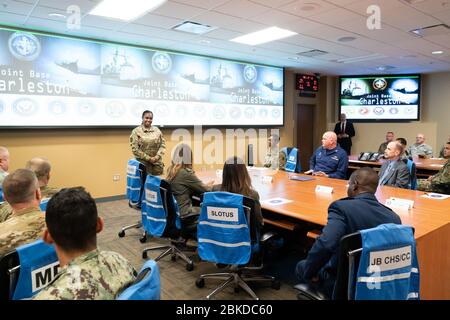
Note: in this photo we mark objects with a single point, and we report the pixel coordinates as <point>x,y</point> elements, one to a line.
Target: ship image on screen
<point>58,81</point>
<point>380,97</point>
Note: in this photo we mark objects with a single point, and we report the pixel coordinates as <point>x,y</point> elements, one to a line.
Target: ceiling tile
<point>307,8</point>
<point>205,4</point>
<point>216,19</point>
<point>84,5</point>
<point>178,10</point>
<point>158,21</point>
<point>242,8</point>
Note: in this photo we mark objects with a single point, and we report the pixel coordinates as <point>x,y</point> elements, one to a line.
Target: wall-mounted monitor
<point>380,97</point>
<point>306,82</point>
<point>54,81</point>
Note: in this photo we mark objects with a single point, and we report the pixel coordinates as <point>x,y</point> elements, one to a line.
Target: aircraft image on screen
<point>192,78</point>
<point>73,67</point>
<point>273,87</point>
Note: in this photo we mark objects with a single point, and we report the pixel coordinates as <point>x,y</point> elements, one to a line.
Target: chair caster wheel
<point>276,285</point>
<point>143,239</point>
<point>121,234</point>
<point>173,258</point>
<point>190,266</point>
<point>200,283</point>
<point>144,255</point>
<point>236,290</point>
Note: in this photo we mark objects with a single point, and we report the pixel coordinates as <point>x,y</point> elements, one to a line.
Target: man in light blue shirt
<point>329,160</point>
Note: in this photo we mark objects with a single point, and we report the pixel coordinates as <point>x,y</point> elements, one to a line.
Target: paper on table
<point>275,201</point>
<point>439,196</point>
<point>436,165</point>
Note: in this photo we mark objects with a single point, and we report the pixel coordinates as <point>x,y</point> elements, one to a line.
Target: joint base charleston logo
<point>24,46</point>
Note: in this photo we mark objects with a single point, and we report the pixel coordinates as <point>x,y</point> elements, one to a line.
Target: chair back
<point>223,230</point>
<point>292,160</point>
<point>147,285</point>
<point>412,173</point>
<point>43,204</point>
<point>136,174</point>
<point>27,270</point>
<point>1,196</point>
<point>160,212</point>
<point>378,264</point>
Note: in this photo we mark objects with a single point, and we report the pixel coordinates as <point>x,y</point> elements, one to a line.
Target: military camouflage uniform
<point>6,210</point>
<point>147,143</point>
<point>97,275</point>
<point>440,182</point>
<point>420,149</point>
<point>272,159</point>
<point>26,225</point>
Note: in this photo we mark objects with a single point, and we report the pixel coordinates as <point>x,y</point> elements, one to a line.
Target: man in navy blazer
<point>345,131</point>
<point>359,211</point>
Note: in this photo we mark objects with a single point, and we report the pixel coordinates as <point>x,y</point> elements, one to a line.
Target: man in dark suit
<point>394,172</point>
<point>344,131</point>
<point>361,210</point>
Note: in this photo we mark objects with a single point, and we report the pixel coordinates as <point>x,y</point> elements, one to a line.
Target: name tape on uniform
<point>324,189</point>
<point>223,214</point>
<point>131,170</point>
<point>400,203</point>
<point>41,277</point>
<point>267,179</point>
<point>151,196</point>
<point>389,259</point>
<point>291,158</point>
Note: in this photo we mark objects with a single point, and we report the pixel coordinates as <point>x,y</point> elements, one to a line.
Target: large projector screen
<point>52,81</point>
<point>380,97</point>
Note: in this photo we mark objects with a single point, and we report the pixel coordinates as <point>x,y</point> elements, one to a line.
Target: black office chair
<point>177,237</point>
<point>9,273</point>
<point>236,275</point>
<point>136,174</point>
<point>349,256</point>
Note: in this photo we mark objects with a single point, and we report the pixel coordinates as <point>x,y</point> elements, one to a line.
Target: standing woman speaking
<point>148,145</point>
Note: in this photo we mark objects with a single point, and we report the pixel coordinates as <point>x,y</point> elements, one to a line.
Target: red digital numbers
<point>307,83</point>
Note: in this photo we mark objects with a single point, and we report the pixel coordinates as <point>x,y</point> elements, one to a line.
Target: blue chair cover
<point>223,232</point>
<point>43,204</point>
<point>147,288</point>
<point>38,266</point>
<point>388,268</point>
<point>1,195</point>
<point>291,160</point>
<point>412,173</point>
<point>154,217</point>
<point>134,178</point>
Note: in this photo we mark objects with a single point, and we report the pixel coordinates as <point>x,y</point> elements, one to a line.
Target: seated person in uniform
<point>41,167</point>
<point>185,184</point>
<point>420,148</point>
<point>26,224</point>
<point>235,179</point>
<point>394,172</point>
<point>86,273</point>
<point>404,144</point>
<point>383,146</point>
<point>271,159</point>
<point>440,182</point>
<point>361,210</point>
<point>329,160</point>
<point>442,152</point>
<point>4,163</point>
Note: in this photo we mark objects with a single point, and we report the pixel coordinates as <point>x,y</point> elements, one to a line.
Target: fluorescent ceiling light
<point>438,52</point>
<point>263,36</point>
<point>125,10</point>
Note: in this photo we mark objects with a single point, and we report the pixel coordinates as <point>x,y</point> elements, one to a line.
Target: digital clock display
<point>306,82</point>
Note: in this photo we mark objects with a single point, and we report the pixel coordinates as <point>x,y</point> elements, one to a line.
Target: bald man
<point>41,167</point>
<point>420,148</point>
<point>360,210</point>
<point>329,160</point>
<point>4,164</point>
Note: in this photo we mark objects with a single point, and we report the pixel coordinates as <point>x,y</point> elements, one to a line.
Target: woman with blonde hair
<point>184,184</point>
<point>235,179</point>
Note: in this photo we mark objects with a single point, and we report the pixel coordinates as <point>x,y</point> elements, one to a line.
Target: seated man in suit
<point>41,167</point>
<point>394,172</point>
<point>420,148</point>
<point>361,210</point>
<point>440,182</point>
<point>26,223</point>
<point>86,273</point>
<point>329,160</point>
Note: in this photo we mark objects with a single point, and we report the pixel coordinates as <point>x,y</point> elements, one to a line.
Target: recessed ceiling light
<point>193,27</point>
<point>309,6</point>
<point>438,52</point>
<point>346,39</point>
<point>383,68</point>
<point>263,36</point>
<point>57,15</point>
<point>125,10</point>
<point>295,58</point>
<point>203,41</point>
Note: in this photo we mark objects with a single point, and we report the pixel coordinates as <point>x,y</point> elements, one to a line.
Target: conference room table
<point>299,201</point>
<point>424,167</point>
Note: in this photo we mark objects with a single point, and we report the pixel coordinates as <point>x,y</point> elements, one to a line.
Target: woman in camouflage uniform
<point>148,145</point>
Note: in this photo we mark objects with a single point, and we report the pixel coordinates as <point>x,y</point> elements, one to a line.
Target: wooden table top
<point>434,164</point>
<point>307,205</point>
